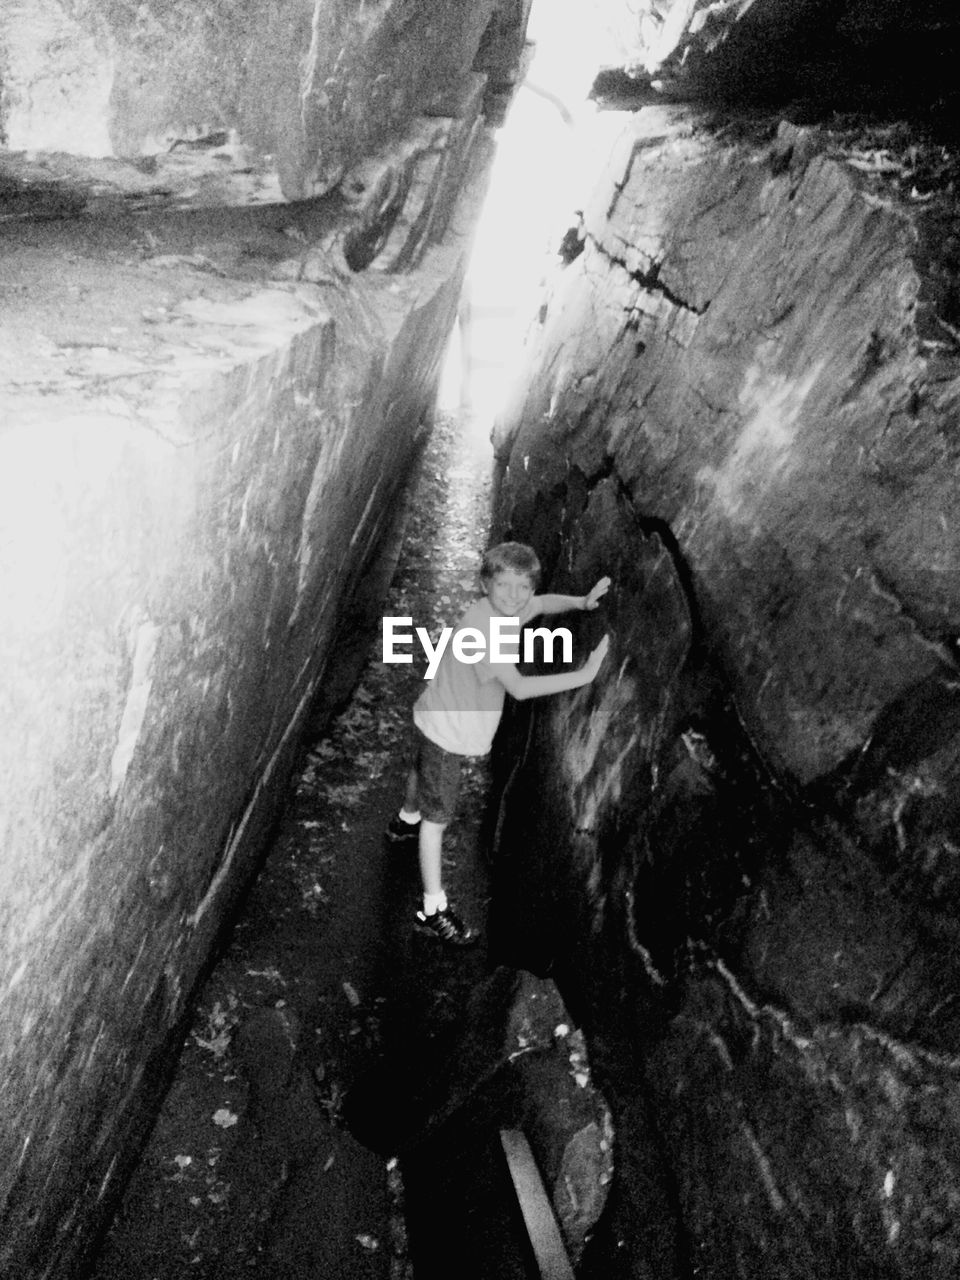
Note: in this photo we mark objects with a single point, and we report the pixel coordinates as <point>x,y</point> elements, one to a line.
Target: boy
<point>458,712</point>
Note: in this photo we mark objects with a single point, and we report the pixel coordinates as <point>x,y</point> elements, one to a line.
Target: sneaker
<point>398,831</point>
<point>447,926</point>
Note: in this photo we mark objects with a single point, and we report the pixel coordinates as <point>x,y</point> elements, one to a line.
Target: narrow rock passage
<point>324,1008</point>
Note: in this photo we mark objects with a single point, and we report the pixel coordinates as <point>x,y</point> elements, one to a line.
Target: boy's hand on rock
<point>592,663</point>
<point>597,592</point>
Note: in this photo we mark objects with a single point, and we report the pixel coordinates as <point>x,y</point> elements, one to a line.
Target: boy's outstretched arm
<point>522,687</point>
<point>548,604</point>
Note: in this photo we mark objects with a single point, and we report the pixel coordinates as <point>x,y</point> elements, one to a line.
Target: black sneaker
<point>447,926</point>
<point>399,832</point>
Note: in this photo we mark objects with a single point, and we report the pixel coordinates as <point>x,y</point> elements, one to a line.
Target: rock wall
<point>743,859</point>
<point>302,90</point>
<point>209,400</point>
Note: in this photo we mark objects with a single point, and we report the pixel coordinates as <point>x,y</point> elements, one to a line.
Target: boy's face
<point>508,592</point>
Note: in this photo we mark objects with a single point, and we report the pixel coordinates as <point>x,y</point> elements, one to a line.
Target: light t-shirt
<point>461,706</point>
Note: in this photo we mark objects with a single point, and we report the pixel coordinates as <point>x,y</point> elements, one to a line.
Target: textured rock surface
<point>789,428</point>
<point>299,91</point>
<point>743,409</point>
<point>205,417</point>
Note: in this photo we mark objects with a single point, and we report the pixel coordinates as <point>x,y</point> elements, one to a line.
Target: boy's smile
<point>508,592</point>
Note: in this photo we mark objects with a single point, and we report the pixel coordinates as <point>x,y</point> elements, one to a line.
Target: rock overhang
<point>215,103</point>
<point>740,51</point>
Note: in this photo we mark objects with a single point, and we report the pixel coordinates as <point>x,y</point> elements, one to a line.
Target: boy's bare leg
<point>431,843</point>
<point>437,917</point>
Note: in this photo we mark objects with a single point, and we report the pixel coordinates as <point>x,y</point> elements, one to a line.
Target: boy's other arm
<point>548,604</point>
<point>522,687</point>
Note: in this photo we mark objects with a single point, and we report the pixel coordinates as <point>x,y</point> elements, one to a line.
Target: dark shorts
<point>438,779</point>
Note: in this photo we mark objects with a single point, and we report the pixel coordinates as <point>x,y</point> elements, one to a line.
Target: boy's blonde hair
<point>515,556</point>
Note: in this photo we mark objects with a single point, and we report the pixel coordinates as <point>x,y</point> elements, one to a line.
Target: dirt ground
<point>252,1168</point>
